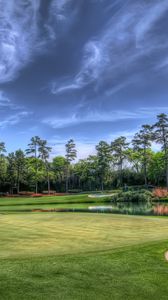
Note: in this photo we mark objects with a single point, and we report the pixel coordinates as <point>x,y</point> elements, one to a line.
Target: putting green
<point>45,234</point>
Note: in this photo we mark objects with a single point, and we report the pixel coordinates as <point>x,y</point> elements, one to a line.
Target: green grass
<point>22,207</point>
<point>50,200</point>
<point>82,256</point>
<point>133,273</point>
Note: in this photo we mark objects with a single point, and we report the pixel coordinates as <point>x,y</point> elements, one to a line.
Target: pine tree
<point>71,154</point>
<point>119,147</point>
<point>104,158</point>
<point>33,150</point>
<point>142,144</point>
<point>44,152</point>
<point>161,137</point>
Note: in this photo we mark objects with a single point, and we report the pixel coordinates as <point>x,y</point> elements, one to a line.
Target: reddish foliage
<point>36,195</point>
<point>160,192</point>
<point>24,193</point>
<point>161,210</point>
<point>31,194</point>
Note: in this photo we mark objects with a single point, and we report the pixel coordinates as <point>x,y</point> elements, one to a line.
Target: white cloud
<point>84,147</point>
<point>13,119</point>
<point>114,53</point>
<point>103,116</point>
<point>152,14</point>
<point>18,36</point>
<point>62,14</point>
<point>4,100</point>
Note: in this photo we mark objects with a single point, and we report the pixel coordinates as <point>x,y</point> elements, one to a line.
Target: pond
<point>159,208</point>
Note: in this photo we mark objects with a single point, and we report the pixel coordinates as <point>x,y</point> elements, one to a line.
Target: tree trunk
<point>48,182</point>
<point>36,186</point>
<point>102,185</point>
<point>145,168</point>
<point>66,184</point>
<point>36,169</point>
<point>121,175</point>
<point>67,180</point>
<point>18,187</point>
<point>145,175</point>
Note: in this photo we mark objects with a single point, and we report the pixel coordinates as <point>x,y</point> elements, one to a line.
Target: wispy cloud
<point>62,14</point>
<point>84,146</point>
<point>103,116</point>
<point>4,100</point>
<point>13,119</point>
<point>118,50</point>
<point>153,12</point>
<point>18,36</point>
<point>11,113</point>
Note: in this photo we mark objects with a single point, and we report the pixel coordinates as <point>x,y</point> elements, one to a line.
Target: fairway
<point>82,256</point>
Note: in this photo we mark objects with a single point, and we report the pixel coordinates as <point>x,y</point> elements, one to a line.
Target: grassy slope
<point>85,256</point>
<point>50,199</point>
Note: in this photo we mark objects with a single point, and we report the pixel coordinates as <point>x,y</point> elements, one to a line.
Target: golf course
<point>59,255</point>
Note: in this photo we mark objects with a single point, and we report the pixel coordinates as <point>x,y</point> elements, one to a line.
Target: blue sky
<point>82,69</point>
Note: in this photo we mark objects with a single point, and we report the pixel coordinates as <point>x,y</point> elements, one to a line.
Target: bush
<point>74,191</point>
<point>2,194</point>
<point>160,193</point>
<point>25,193</point>
<point>36,195</point>
<point>140,196</point>
<point>140,187</point>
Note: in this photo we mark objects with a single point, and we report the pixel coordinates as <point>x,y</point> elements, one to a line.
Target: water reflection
<point>161,210</point>
<point>133,208</point>
<point>129,208</point>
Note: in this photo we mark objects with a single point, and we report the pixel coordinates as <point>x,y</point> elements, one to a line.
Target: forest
<point>116,164</point>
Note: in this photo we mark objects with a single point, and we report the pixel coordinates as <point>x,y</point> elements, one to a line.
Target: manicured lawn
<point>82,256</point>
<point>50,200</point>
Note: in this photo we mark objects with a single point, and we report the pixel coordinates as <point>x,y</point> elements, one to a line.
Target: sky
<point>89,70</point>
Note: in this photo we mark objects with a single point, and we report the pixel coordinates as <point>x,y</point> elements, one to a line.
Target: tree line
<point>114,164</point>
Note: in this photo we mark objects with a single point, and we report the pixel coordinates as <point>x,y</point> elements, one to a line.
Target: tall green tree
<point>135,158</point>
<point>11,172</point>
<point>32,150</point>
<point>59,165</point>
<point>156,168</point>
<point>20,165</point>
<point>87,172</point>
<point>104,157</point>
<point>2,162</point>
<point>71,154</point>
<point>142,144</point>
<point>161,137</point>
<point>119,149</point>
<point>44,152</point>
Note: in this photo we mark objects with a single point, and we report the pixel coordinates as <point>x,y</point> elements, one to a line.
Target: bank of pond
<point>159,208</point>
<point>142,202</point>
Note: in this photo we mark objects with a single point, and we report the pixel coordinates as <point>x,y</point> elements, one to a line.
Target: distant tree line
<point>114,165</point>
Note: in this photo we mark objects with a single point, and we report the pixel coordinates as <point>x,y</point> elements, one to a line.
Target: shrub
<point>160,193</point>
<point>140,196</point>
<point>36,195</point>
<point>74,191</point>
<point>25,193</point>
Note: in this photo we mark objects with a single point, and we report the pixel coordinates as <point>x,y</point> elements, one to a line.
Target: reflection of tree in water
<point>161,209</point>
<point>140,208</point>
<point>133,208</point>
